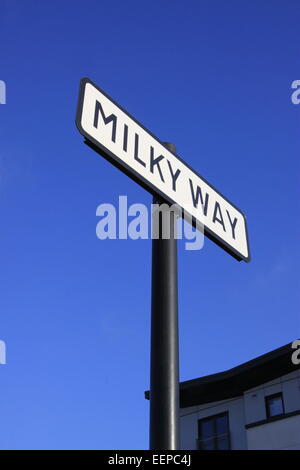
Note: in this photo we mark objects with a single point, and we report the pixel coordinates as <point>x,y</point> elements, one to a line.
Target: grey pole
<point>164,375</point>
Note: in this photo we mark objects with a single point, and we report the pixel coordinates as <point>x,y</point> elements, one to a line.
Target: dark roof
<point>233,382</point>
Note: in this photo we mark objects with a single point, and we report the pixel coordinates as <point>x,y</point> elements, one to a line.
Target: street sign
<point>126,143</point>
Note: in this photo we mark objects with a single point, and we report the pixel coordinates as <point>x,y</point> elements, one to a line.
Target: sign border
<point>121,165</point>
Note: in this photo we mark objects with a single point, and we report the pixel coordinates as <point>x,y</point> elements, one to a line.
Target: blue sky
<point>212,77</point>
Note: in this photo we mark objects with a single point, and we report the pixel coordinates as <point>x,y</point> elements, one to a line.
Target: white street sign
<point>127,144</point>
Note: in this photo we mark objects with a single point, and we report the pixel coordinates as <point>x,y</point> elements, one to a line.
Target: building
<point>255,405</point>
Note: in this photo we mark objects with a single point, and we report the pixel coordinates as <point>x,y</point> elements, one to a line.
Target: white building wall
<point>248,409</point>
<point>288,385</point>
<point>190,416</point>
<point>291,392</point>
<point>278,435</point>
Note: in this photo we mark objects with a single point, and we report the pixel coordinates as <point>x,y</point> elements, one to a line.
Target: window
<point>274,405</point>
<point>214,433</point>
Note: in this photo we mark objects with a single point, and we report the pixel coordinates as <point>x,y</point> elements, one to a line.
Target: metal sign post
<point>116,135</point>
<point>164,375</point>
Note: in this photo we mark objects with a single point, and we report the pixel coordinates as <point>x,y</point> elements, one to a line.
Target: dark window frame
<point>215,435</point>
<point>267,404</point>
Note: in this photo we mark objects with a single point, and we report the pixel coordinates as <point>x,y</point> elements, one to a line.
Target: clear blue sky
<point>214,78</point>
